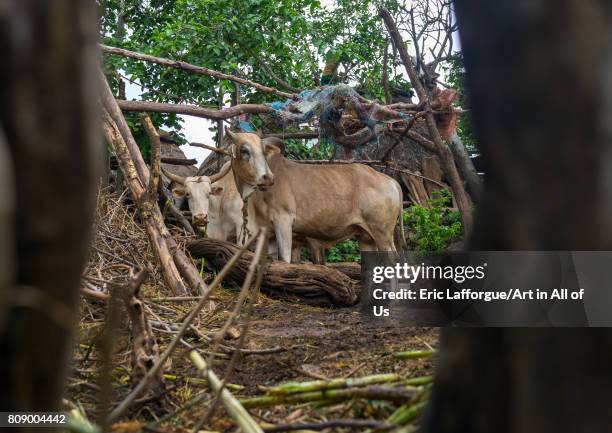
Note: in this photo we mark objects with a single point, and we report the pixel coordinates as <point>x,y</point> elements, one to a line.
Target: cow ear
<point>178,191</point>
<point>274,141</point>
<point>216,190</point>
<point>271,149</point>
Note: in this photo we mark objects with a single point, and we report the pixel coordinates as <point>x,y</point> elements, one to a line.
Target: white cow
<point>214,203</point>
<point>218,206</point>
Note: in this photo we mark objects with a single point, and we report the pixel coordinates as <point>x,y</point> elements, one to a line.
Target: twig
<point>354,370</point>
<point>175,212</point>
<point>256,265</point>
<point>295,135</point>
<point>319,385</point>
<point>143,384</point>
<point>398,395</point>
<point>401,170</point>
<point>232,406</point>
<point>212,148</point>
<point>333,423</point>
<point>415,354</point>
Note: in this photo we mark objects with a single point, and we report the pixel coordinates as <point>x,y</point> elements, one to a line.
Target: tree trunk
<point>539,81</point>
<point>443,152</point>
<point>47,113</point>
<point>464,164</point>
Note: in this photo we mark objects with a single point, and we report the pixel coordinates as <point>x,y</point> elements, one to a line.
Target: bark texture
<point>539,81</point>
<point>316,283</point>
<point>48,118</point>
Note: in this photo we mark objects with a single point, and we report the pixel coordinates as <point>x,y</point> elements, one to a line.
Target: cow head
<point>249,163</point>
<point>198,191</point>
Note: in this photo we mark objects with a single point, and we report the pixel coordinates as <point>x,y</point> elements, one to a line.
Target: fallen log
<point>350,269</point>
<point>316,283</point>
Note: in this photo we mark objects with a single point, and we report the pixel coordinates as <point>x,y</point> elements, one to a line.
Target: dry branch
<point>194,110</point>
<point>144,383</point>
<point>273,75</point>
<point>155,155</point>
<point>168,268</point>
<point>233,407</point>
<point>179,161</point>
<point>145,352</point>
<point>257,265</point>
<point>374,392</point>
<point>445,154</point>
<point>310,281</point>
<point>110,104</point>
<point>333,423</point>
<point>175,212</point>
<point>195,69</point>
<point>306,135</point>
<point>132,157</point>
<point>211,148</point>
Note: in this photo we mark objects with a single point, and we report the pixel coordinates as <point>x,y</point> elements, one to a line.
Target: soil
<point>310,342</point>
<point>328,342</point>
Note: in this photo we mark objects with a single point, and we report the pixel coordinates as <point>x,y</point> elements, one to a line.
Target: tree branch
<point>194,110</point>
<point>445,154</point>
<point>177,64</point>
<point>272,75</point>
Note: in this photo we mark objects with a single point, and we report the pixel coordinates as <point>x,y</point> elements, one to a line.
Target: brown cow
<point>329,203</point>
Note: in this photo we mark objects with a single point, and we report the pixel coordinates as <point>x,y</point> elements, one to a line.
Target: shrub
<point>432,228</point>
<point>346,251</point>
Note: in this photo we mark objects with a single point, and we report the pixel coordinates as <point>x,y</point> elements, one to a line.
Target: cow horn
<point>231,134</point>
<point>215,177</point>
<point>175,177</point>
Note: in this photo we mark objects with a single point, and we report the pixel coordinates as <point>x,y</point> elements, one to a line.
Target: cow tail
<point>401,243</point>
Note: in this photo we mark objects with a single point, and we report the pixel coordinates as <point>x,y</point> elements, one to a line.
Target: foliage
<point>456,76</point>
<point>346,251</point>
<point>432,228</point>
<point>292,37</point>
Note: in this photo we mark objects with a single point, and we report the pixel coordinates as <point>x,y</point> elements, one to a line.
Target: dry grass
<point>314,341</point>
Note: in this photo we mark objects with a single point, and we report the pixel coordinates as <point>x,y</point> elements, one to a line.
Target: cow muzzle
<point>200,220</point>
<point>266,181</point>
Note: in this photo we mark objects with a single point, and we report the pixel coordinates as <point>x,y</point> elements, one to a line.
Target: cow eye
<point>244,152</point>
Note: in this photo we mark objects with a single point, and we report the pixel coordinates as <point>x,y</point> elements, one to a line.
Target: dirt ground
<point>324,341</point>
<point>301,343</point>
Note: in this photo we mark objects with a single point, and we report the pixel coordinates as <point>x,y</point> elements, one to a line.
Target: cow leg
<point>383,238</point>
<point>273,249</point>
<point>317,252</point>
<point>318,255</point>
<point>296,254</point>
<point>284,238</point>
<point>367,245</point>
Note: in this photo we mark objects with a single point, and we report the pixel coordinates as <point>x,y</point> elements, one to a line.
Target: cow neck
<point>244,189</point>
